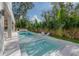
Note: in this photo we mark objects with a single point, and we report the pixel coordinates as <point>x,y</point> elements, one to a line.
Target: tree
<point>21,23</point>
<point>20,8</point>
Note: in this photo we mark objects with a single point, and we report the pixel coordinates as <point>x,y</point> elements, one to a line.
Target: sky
<point>38,8</point>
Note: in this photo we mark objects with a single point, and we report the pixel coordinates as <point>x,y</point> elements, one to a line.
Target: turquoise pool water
<point>37,45</point>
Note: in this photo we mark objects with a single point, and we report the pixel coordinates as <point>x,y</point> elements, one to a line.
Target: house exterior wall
<point>10,13</point>
<point>9,17</point>
<point>1,29</point>
<point>5,14</point>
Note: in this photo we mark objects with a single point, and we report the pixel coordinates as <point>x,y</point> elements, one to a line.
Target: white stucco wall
<point>8,8</point>
<point>1,30</point>
<point>10,17</point>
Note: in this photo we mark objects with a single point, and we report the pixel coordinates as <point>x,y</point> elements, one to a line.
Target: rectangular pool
<point>33,44</point>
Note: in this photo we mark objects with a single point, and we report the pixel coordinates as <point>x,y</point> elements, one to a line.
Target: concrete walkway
<point>11,47</point>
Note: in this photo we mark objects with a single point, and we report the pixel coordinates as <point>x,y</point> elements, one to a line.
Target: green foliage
<point>21,23</point>
<point>21,8</point>
<point>63,16</point>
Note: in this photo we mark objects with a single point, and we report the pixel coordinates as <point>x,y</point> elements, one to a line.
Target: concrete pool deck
<point>70,49</point>
<point>12,48</point>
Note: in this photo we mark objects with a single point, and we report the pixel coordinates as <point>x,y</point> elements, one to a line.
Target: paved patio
<point>70,49</point>
<point>12,46</point>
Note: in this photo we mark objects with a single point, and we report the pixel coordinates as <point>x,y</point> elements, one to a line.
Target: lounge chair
<point>42,33</point>
<point>48,34</point>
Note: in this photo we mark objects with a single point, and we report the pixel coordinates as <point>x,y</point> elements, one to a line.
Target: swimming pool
<point>33,44</point>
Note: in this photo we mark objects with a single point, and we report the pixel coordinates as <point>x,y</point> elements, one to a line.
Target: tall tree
<point>20,8</point>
